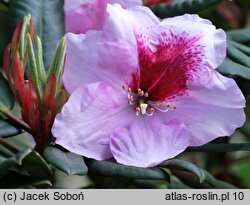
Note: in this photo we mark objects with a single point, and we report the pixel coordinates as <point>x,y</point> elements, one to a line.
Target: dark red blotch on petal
<point>164,74</point>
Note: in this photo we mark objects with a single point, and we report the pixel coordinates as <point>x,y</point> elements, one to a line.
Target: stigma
<point>143,104</point>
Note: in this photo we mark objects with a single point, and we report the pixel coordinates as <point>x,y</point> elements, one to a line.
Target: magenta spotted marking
<point>164,74</point>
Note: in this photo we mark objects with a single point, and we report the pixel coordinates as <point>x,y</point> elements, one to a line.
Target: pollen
<point>131,98</point>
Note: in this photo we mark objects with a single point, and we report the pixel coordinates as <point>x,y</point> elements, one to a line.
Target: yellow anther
<point>131,98</point>
<point>167,105</point>
<point>174,107</point>
<point>152,110</point>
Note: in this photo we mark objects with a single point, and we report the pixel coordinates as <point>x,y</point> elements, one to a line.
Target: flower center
<point>143,104</point>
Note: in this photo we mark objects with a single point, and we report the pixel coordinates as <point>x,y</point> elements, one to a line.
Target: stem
<point>220,147</point>
<point>8,146</point>
<point>17,121</point>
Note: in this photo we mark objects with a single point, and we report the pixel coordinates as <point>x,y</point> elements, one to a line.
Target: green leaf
<point>48,18</point>
<point>229,67</point>
<point>33,66</point>
<point>6,96</point>
<point>237,61</point>
<point>68,162</point>
<point>179,7</point>
<point>221,147</point>
<point>111,168</point>
<point>187,166</point>
<point>8,130</point>
<point>203,175</point>
<point>40,65</point>
<point>237,55</point>
<point>27,162</point>
<point>57,64</point>
<point>240,35</point>
<point>176,183</point>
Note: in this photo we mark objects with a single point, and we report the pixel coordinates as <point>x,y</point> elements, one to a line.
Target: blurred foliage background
<point>226,159</point>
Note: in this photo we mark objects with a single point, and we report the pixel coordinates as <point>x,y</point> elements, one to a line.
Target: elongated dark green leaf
<point>230,147</point>
<point>241,47</point>
<point>237,56</point>
<point>237,61</point>
<point>187,166</point>
<point>8,130</point>
<point>35,165</point>
<point>70,163</point>
<point>230,67</point>
<point>27,162</point>
<point>176,183</point>
<point>6,96</point>
<point>111,168</point>
<point>179,7</point>
<point>202,174</point>
<point>48,19</point>
<point>241,35</point>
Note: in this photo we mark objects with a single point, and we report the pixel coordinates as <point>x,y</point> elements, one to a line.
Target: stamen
<point>129,90</point>
<point>142,93</point>
<point>174,107</point>
<point>123,87</point>
<point>167,105</point>
<point>151,112</point>
<point>131,99</point>
<point>146,95</point>
<point>143,107</point>
<point>138,110</point>
<point>139,91</point>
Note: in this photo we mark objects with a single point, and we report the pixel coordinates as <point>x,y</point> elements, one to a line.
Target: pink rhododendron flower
<point>84,15</point>
<point>142,90</point>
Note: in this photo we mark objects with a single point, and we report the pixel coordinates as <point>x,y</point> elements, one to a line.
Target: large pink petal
<point>214,41</point>
<point>88,118</point>
<point>212,110</point>
<point>148,142</point>
<point>123,23</point>
<point>84,15</point>
<point>97,57</point>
